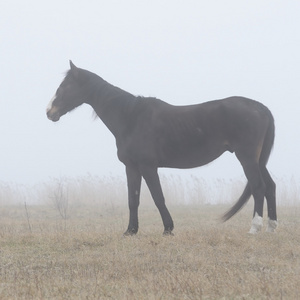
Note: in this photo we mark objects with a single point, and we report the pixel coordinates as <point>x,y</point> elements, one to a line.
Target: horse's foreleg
<point>151,177</point>
<point>134,179</point>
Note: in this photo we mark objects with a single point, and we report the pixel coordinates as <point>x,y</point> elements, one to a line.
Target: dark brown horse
<point>151,134</point>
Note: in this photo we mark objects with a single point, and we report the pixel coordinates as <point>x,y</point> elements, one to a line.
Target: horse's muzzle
<point>53,115</point>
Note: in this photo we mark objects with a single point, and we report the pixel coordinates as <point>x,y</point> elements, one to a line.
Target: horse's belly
<point>190,157</point>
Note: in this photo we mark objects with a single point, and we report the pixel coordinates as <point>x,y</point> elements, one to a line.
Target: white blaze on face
<point>50,103</point>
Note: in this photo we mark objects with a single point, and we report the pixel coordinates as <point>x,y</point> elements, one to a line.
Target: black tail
<point>264,157</point>
<point>239,204</point>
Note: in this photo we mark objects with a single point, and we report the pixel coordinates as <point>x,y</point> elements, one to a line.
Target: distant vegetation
<point>113,191</point>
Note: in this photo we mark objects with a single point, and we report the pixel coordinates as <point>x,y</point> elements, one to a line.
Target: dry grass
<point>85,256</point>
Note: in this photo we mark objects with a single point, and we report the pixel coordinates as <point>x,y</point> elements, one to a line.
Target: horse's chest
<point>136,149</point>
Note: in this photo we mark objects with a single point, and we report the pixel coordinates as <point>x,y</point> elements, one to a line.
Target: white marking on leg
<point>50,103</point>
<point>137,192</point>
<point>272,225</point>
<point>256,225</point>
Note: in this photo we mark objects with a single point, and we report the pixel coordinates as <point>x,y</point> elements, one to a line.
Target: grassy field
<point>73,250</point>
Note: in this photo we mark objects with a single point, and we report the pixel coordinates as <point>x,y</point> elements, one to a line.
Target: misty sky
<point>179,51</point>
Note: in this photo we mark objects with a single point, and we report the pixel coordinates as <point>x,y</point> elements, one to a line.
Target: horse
<point>152,134</point>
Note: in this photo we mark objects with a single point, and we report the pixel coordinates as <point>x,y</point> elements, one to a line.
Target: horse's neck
<point>113,106</point>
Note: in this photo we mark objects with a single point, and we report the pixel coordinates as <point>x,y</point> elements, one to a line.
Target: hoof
<point>257,224</point>
<point>272,225</point>
<point>168,233</point>
<point>130,232</point>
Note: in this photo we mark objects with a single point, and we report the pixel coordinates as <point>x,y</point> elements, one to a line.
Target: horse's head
<point>68,95</point>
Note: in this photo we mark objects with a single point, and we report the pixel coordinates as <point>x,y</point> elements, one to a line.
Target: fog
<point>182,52</point>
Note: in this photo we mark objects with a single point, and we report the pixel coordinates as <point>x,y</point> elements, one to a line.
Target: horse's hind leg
<point>271,199</point>
<point>256,182</point>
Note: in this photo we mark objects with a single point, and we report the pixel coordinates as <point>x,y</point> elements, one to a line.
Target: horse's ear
<point>72,66</point>
<point>74,69</point>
